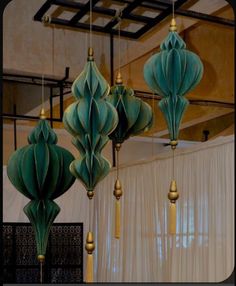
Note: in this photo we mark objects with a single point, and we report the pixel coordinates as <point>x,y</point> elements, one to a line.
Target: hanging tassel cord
<point>41,259</point>
<point>41,272</point>
<point>89,246</point>
<point>119,19</point>
<point>117,193</point>
<point>90,23</point>
<point>173,194</point>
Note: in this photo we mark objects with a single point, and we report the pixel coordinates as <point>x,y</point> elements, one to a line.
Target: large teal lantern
<point>172,73</point>
<point>135,117</point>
<point>40,171</point>
<point>89,120</point>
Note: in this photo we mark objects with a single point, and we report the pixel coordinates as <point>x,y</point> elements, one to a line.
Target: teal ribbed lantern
<point>40,171</point>
<point>90,120</point>
<point>135,116</point>
<point>172,73</point>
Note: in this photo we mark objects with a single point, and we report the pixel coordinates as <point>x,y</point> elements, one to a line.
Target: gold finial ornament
<point>117,147</point>
<point>173,26</point>
<point>90,194</point>
<point>41,258</point>
<point>117,190</point>
<point>42,114</point>
<point>119,79</point>
<point>173,144</point>
<point>90,54</point>
<point>89,246</point>
<point>173,194</point>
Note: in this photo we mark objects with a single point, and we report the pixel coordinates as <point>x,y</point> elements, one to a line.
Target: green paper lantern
<point>90,119</point>
<point>40,171</point>
<point>172,73</point>
<point>135,115</point>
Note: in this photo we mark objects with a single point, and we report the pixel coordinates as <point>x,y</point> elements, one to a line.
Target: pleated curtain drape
<point>202,249</point>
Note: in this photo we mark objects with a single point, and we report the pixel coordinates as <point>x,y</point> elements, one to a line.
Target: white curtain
<point>203,248</point>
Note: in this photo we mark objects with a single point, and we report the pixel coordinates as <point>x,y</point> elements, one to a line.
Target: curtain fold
<point>202,249</point>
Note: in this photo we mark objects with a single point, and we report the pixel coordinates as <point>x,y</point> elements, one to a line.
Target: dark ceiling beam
<point>205,17</point>
<point>100,10</point>
<point>83,12</point>
<point>146,4</point>
<point>187,13</point>
<point>165,13</point>
<point>126,11</point>
<point>85,26</point>
<point>39,15</point>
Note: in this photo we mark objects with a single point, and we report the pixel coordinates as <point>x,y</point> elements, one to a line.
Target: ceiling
<point>213,42</point>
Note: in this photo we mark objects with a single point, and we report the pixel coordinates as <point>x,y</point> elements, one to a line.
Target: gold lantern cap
<point>90,54</point>
<point>119,79</point>
<point>173,27</point>
<point>42,114</point>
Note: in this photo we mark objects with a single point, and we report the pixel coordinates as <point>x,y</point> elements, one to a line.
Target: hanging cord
<point>90,217</point>
<point>53,47</point>
<point>41,272</point>
<point>173,9</point>
<point>90,23</point>
<point>118,163</point>
<point>42,95</point>
<point>119,44</point>
<point>153,108</point>
<point>173,163</point>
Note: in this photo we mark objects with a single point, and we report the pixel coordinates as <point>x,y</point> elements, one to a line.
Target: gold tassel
<point>172,218</point>
<point>117,193</point>
<point>89,246</point>
<point>117,217</point>
<point>172,196</point>
<point>89,269</point>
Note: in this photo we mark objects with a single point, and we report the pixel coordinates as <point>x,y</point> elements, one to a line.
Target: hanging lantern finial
<point>119,79</point>
<point>42,114</point>
<point>173,26</point>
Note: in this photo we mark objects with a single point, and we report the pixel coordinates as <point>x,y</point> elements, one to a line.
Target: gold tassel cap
<point>119,79</point>
<point>173,27</point>
<point>117,189</point>
<point>90,54</point>
<point>90,194</point>
<point>89,246</point>
<point>173,144</point>
<point>41,258</point>
<point>173,195</point>
<point>42,114</point>
<point>117,146</point>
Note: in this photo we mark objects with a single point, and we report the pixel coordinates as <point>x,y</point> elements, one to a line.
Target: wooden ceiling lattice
<point>76,15</point>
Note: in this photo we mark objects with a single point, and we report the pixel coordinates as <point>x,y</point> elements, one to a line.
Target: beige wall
<point>29,46</point>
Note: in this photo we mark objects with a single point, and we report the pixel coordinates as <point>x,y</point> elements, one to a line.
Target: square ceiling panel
<point>141,15</point>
